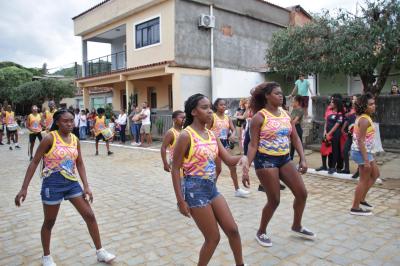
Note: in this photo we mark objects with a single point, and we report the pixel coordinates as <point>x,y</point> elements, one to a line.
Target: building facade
<point>166,50</point>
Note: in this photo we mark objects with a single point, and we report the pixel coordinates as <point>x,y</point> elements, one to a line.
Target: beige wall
<point>108,13</point>
<point>161,86</point>
<point>161,52</point>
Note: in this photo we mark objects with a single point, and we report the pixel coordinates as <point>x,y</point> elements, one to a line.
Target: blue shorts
<point>56,187</point>
<point>199,192</point>
<point>262,161</point>
<point>356,156</point>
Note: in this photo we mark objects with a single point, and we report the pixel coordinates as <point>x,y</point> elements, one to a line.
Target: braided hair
<point>258,100</point>
<point>361,104</point>
<point>57,116</point>
<point>190,104</point>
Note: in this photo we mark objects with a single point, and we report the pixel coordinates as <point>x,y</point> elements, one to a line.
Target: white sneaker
<point>241,193</point>
<point>104,256</point>
<point>48,261</point>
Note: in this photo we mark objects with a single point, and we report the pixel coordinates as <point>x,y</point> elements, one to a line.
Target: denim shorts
<point>356,156</point>
<point>56,187</point>
<point>262,161</point>
<point>225,143</point>
<point>199,192</point>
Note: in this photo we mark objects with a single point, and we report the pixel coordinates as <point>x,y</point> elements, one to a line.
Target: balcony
<point>104,64</point>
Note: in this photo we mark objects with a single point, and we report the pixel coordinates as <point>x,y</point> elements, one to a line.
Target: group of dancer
<point>197,144</point>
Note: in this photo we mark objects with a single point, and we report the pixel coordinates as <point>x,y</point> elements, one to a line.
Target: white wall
<point>192,84</point>
<point>229,83</point>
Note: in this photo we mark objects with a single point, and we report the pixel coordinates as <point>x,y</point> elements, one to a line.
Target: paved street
<point>136,210</point>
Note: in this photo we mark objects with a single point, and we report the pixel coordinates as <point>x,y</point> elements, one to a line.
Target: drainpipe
<point>212,56</point>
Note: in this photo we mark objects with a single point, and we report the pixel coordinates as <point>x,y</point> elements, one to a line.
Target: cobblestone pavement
<point>136,211</point>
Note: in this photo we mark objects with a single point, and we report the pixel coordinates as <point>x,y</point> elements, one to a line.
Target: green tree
<point>57,89</point>
<point>367,45</point>
<point>10,78</point>
<point>29,93</point>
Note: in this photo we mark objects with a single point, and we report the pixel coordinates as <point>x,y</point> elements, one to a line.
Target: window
<point>147,33</point>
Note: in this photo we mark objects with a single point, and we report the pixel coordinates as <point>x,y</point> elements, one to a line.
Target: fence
<point>387,115</point>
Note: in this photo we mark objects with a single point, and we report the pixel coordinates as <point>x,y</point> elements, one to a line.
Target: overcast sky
<point>38,31</point>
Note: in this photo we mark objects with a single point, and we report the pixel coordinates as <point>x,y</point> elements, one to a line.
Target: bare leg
<point>371,181</point>
<point>293,180</point>
<point>362,186</point>
<point>31,148</point>
<point>232,170</point>
<point>84,209</point>
<point>228,225</point>
<point>108,145</point>
<point>269,178</point>
<point>97,146</point>
<point>207,223</point>
<point>50,215</point>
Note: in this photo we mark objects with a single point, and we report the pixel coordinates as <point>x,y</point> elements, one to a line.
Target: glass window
<point>148,33</point>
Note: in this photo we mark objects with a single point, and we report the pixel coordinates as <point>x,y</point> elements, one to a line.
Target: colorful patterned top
<point>369,137</point>
<point>10,118</point>
<point>61,157</point>
<point>48,115</point>
<point>99,125</point>
<point>275,133</point>
<point>172,146</point>
<point>35,125</point>
<point>220,127</point>
<point>202,155</point>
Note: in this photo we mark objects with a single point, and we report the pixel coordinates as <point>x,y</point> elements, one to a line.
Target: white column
<point>84,57</point>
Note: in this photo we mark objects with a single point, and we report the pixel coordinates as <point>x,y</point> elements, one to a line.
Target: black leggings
<point>346,153</point>
<point>300,133</point>
<point>335,157</point>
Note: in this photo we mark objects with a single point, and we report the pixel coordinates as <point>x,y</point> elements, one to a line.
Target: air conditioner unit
<point>206,21</point>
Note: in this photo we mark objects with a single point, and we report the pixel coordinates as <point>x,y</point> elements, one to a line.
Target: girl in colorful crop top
<point>196,151</point>
<point>362,153</point>
<point>169,141</point>
<point>222,127</point>
<point>270,137</point>
<point>61,154</point>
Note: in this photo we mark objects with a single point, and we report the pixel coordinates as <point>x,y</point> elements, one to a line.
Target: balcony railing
<point>105,64</point>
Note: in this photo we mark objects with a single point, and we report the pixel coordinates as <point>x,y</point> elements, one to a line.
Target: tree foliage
<point>367,45</point>
<point>10,78</point>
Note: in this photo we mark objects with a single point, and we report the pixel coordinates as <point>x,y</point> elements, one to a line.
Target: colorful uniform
<point>369,140</point>
<point>35,127</point>
<point>172,146</point>
<point>99,126</point>
<point>274,144</point>
<point>11,125</point>
<point>199,186</point>
<point>48,118</point>
<point>220,128</point>
<point>59,176</point>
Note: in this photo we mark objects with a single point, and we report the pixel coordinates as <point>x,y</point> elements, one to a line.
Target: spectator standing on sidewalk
<point>296,117</point>
<point>121,121</point>
<point>82,125</point>
<point>75,131</point>
<point>145,129</point>
<point>302,88</point>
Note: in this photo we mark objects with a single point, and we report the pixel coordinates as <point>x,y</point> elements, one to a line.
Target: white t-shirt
<point>76,120</point>
<point>146,120</point>
<point>82,121</point>
<point>121,119</point>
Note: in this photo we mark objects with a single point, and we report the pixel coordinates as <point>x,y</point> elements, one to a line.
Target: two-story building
<point>163,51</point>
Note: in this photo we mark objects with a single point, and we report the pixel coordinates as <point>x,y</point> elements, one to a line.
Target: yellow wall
<point>86,27</point>
<point>160,84</point>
